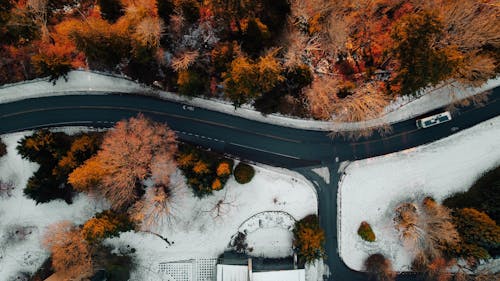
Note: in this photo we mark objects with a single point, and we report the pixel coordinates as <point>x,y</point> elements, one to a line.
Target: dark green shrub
<point>103,45</point>
<point>255,37</point>
<point>111,10</point>
<point>3,148</point>
<point>484,195</point>
<point>52,65</point>
<point>309,239</point>
<point>165,9</point>
<point>116,267</point>
<point>243,173</point>
<point>190,10</point>
<point>205,171</point>
<point>298,77</point>
<point>420,63</point>
<point>191,83</point>
<point>365,232</point>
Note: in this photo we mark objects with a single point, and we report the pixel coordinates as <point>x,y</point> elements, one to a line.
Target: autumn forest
<point>319,59</point>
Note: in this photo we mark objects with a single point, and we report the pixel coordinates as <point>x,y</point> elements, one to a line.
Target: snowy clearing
<point>371,189</point>
<point>18,253</point>
<point>85,82</point>
<point>270,242</point>
<point>197,232</point>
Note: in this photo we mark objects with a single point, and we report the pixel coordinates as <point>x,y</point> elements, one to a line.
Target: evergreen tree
<point>420,63</point>
<point>477,228</point>
<point>111,10</point>
<point>483,196</point>
<point>165,9</point>
<point>247,80</point>
<point>255,37</point>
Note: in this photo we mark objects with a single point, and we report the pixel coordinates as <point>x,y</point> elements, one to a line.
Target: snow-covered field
<point>372,187</point>
<point>195,231</point>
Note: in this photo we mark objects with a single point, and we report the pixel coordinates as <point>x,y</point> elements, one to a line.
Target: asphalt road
<point>295,149</point>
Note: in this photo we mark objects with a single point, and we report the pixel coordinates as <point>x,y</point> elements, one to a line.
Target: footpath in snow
<point>84,82</point>
<point>370,189</point>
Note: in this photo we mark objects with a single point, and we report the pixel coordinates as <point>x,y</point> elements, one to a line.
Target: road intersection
<point>296,149</point>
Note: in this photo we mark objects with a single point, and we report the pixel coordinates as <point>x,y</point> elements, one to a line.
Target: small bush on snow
<point>243,173</point>
<point>3,148</point>
<point>365,231</point>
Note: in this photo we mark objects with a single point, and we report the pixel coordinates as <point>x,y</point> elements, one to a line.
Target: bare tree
<point>425,229</point>
<point>221,207</point>
<point>469,24</point>
<point>184,60</point>
<point>367,102</point>
<point>149,31</point>
<point>39,10</point>
<point>476,69</point>
<point>321,96</point>
<point>157,208</point>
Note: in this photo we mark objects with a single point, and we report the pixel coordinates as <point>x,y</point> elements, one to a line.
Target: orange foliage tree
<point>309,238</point>
<point>246,79</point>
<point>105,224</point>
<point>71,255</point>
<point>136,149</point>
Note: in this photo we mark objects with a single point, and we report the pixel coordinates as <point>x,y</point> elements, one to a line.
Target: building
<point>245,273</point>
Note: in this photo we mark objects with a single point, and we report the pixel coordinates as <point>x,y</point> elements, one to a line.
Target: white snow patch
<point>371,189</point>
<point>270,219</point>
<point>324,173</point>
<point>316,270</point>
<point>270,242</point>
<point>18,211</point>
<point>282,275</point>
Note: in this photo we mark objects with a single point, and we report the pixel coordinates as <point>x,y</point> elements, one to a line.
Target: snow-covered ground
<point>195,230</point>
<point>18,212</point>
<point>372,188</point>
<point>84,82</point>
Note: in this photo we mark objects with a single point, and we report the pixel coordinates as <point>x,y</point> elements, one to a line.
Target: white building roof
<point>232,272</point>
<point>282,275</point>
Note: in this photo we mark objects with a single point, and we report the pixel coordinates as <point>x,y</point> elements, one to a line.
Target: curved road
<point>296,149</point>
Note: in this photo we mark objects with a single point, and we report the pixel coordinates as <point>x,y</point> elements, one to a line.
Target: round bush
<point>365,232</point>
<point>243,173</point>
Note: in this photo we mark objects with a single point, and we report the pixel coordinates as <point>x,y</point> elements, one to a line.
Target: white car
<point>188,107</point>
<point>434,120</point>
